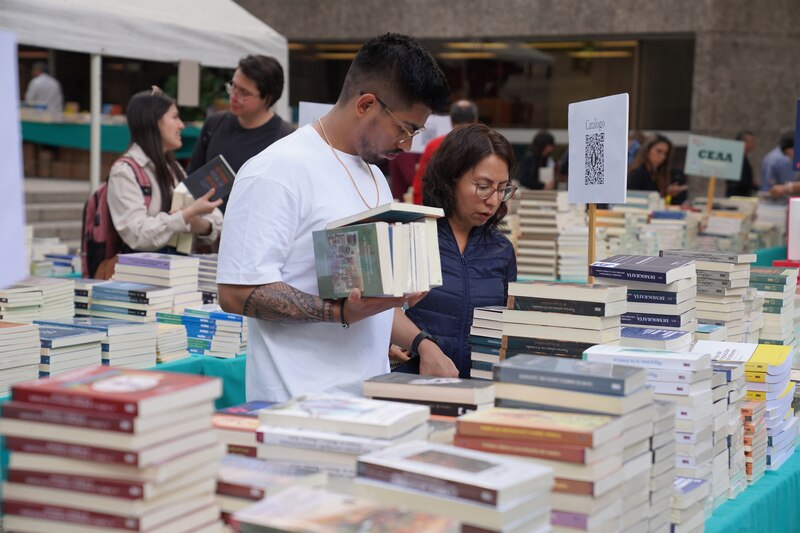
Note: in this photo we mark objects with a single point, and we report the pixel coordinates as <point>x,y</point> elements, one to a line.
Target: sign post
<point>714,158</point>
<point>598,156</point>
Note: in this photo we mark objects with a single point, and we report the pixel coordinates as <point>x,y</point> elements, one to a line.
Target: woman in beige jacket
<point>155,128</point>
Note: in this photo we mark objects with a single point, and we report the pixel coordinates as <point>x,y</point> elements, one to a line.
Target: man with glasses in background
<point>250,125</point>
<point>298,342</point>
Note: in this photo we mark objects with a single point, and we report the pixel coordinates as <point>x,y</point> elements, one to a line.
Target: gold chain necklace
<point>349,175</point>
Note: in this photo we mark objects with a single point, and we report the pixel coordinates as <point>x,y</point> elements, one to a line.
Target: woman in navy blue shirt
<point>469,178</point>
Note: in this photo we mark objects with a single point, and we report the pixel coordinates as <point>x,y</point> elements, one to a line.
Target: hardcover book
<point>641,268</point>
<point>215,174</point>
<point>390,213</point>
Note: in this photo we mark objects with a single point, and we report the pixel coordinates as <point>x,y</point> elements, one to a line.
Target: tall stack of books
<point>754,440</point>
<point>483,490</point>
<point>211,331</point>
<point>573,252</point>
<point>126,300</point>
<point>662,446</point>
<point>720,480</point>
<point>111,448</point>
<point>40,247</point>
<point>722,280</point>
<point>301,509</point>
<point>58,297</point>
<point>790,264</point>
<point>207,277</point>
<point>125,344</point>
<point>451,397</point>
<point>171,343</point>
<point>560,319</point>
<point>778,286</point>
<point>670,229</point>
<point>485,337</point>
<point>83,294</point>
<point>176,272</point>
<point>328,432</point>
<point>661,290</point>
<point>620,229</point>
<point>753,319</point>
<point>19,354</point>
<point>66,348</point>
<point>733,373</point>
<point>20,303</point>
<point>689,504</point>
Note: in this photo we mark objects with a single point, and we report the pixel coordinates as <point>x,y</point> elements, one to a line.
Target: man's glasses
<point>231,88</point>
<point>407,134</point>
<point>484,191</point>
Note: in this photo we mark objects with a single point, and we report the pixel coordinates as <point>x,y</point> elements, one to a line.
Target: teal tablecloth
<point>230,371</point>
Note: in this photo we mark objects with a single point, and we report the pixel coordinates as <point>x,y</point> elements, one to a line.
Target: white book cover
<point>725,351</point>
<point>646,358</point>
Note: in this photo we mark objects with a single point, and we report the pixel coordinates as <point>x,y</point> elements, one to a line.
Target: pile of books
<point>236,427</point>
<point>573,252</point>
<point>59,264</point>
<point>486,338</point>
<point>608,407</point>
<point>68,348</point>
<point>753,319</point>
<point>560,319</point>
<point>20,303</point>
<point>795,265</point>
<point>661,290</point>
<point>390,250</point>
<point>111,448</point>
<point>57,296</point>
<point>124,344</point>
<point>754,440</point>
<point>689,504</point>
<point>171,343</point>
<point>328,433</point>
<point>301,509</point>
<point>662,475</point>
<point>19,354</point>
<point>483,490</point>
<point>450,397</point>
<point>179,273</point>
<point>620,231</point>
<point>207,277</point>
<point>670,229</point>
<point>737,395</point>
<point>778,287</point>
<point>83,294</point>
<point>126,300</point>
<point>720,480</point>
<point>211,331</point>
<point>40,247</point>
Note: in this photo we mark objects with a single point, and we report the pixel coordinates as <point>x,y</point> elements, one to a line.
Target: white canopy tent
<point>216,33</point>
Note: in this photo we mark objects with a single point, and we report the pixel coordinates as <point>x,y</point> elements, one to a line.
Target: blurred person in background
<point>537,157</point>
<point>44,89</point>
<point>651,168</point>
<point>782,174</point>
<point>748,184</point>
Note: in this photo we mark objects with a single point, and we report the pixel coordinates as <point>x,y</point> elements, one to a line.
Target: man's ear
<point>364,103</point>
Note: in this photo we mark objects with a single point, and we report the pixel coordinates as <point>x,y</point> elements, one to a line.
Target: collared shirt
<point>45,89</point>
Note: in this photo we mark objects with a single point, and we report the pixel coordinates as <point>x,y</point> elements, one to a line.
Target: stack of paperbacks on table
<point>768,379</point>
<point>560,319</point>
<point>722,280</point>
<point>736,388</point>
<point>571,395</point>
<point>113,449</point>
<point>172,342</point>
<point>20,303</point>
<point>236,427</point>
<point>207,277</point>
<point>177,272</point>
<point>573,252</point>
<point>83,294</point>
<point>390,250</point>
<point>63,264</point>
<point>127,300</point>
<point>301,509</point>
<point>661,290</point>
<point>68,348</point>
<point>328,432</point>
<point>485,337</point>
<point>794,265</point>
<point>754,439</point>
<point>780,307</point>
<point>670,229</point>
<point>58,296</point>
<point>125,344</point>
<point>689,504</point>
<point>242,481</point>
<point>483,490</point>
<point>662,475</point>
<point>19,354</point>
<point>683,378</point>
<point>211,331</point>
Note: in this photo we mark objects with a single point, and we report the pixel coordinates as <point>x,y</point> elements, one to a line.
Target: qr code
<point>595,166</point>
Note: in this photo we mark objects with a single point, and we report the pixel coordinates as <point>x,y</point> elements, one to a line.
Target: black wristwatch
<point>419,338</point>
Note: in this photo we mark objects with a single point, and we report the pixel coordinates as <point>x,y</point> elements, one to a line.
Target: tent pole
<point>94,129</point>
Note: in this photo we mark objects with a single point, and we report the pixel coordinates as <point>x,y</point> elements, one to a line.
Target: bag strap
<point>141,178</point>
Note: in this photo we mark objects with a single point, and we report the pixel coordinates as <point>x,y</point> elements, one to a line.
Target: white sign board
<point>598,150</point>
<point>310,112</point>
<point>710,156</point>
<point>435,126</point>
<point>14,265</point>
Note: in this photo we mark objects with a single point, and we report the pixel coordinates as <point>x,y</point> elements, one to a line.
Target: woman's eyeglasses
<point>484,191</point>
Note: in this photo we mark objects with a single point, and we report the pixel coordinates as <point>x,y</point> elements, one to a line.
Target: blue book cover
<point>669,215</point>
<point>653,334</point>
<point>213,312</point>
<point>249,409</point>
<point>57,336</point>
<point>644,268</point>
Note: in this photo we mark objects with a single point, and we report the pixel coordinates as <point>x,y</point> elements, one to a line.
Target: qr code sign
<point>595,167</point>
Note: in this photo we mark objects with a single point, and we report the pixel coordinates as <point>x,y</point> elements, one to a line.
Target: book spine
<point>86,403</point>
<point>125,490</point>
<point>627,274</point>
<point>767,278</point>
<point>437,408</point>
<point>526,448</point>
<point>644,319</point>
<point>240,491</point>
<point>72,451</point>
<point>544,346</point>
<point>701,256</point>
<point>482,429</point>
<point>314,443</point>
<point>427,484</point>
<point>46,343</point>
<point>569,520</point>
<point>769,287</point>
<point>117,310</point>
<point>117,424</point>
<point>70,515</point>
<point>485,341</point>
<point>580,383</point>
<point>125,296</point>
<point>548,305</point>
<point>652,297</point>
<point>572,486</point>
<point>162,264</point>
<point>247,451</point>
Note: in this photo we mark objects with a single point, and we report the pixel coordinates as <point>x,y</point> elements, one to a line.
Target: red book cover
<point>72,451</point>
<point>523,447</point>
<point>66,416</point>
<point>113,488</point>
<point>69,515</point>
<point>247,451</point>
<point>118,390</point>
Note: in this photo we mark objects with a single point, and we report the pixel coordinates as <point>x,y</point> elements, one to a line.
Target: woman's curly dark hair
<point>460,152</point>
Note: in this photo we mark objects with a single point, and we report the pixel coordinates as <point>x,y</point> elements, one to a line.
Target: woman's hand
<point>201,206</point>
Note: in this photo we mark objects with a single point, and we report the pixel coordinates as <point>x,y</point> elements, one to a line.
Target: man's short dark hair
<point>267,74</point>
<point>463,112</point>
<point>398,65</point>
<point>744,133</point>
<point>787,140</point>
<point>41,66</point>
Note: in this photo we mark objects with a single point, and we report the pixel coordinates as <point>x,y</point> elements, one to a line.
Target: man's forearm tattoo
<point>283,303</point>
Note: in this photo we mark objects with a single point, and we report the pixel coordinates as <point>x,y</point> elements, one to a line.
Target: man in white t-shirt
<point>44,89</point>
<point>299,343</point>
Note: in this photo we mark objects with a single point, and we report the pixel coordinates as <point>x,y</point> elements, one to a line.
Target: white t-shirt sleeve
<point>261,222</point>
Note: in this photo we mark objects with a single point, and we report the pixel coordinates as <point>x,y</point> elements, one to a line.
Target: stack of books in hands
<point>662,475</point>
<point>483,490</point>
<point>689,504</point>
<point>177,272</point>
<point>328,433</point>
<point>754,440</point>
<point>485,337</point>
<point>302,509</point>
<point>68,348</point>
<point>722,280</point>
<point>124,344</point>
<point>778,287</point>
<point>390,250</point>
<point>171,343</point>
<point>443,396</point>
<point>661,290</point>
<point>83,294</point>
<point>126,300</point>
<point>20,303</point>
<point>207,277</point>
<point>19,354</point>
<point>561,319</point>
<point>236,427</point>
<point>111,448</point>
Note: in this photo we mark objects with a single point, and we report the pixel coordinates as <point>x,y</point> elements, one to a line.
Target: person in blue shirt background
<point>469,178</point>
